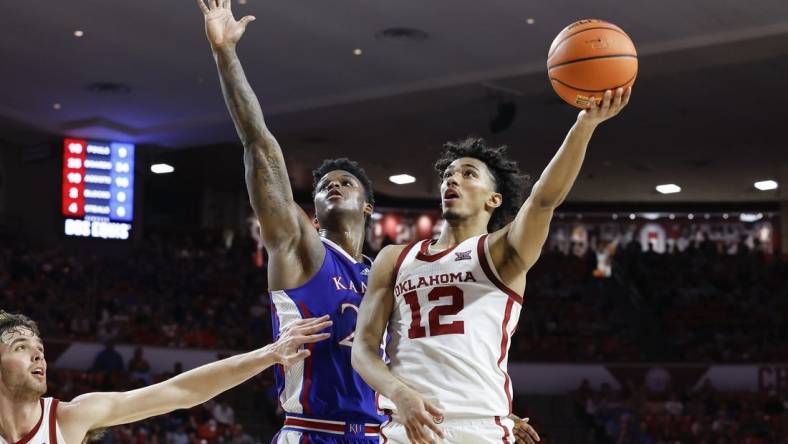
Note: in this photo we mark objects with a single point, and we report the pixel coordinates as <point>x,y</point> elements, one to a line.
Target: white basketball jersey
<point>46,430</point>
<point>450,329</point>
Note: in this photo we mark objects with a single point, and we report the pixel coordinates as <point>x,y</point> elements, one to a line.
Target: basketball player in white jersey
<point>451,305</point>
<point>27,417</point>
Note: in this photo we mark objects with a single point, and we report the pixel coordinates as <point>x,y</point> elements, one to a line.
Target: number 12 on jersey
<point>437,328</point>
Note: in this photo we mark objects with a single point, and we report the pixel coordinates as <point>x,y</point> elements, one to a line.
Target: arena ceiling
<point>708,111</point>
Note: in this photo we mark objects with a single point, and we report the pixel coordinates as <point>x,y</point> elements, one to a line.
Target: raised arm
<point>373,316</point>
<point>524,237</point>
<point>97,410</point>
<point>266,174</point>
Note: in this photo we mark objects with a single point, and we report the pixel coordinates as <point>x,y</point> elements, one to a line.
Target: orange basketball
<point>589,57</point>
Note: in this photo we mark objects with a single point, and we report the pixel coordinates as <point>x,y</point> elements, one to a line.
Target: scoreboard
<point>98,189</point>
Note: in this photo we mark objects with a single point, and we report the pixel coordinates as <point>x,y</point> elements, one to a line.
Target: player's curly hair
<point>9,321</point>
<point>505,174</point>
<point>343,163</point>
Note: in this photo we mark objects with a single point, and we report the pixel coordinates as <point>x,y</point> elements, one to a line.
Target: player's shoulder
<point>390,253</point>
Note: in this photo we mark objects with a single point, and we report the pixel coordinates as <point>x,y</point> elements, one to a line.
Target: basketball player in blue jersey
<point>27,417</point>
<point>310,273</point>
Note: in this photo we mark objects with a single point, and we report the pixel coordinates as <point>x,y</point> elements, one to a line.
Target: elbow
<point>182,397</point>
<point>258,143</point>
<point>550,203</point>
<point>545,198</point>
<point>357,355</point>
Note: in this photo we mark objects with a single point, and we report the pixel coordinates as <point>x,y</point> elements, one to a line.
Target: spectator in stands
<point>674,406</point>
<point>209,432</point>
<point>139,367</point>
<point>108,360</point>
<point>239,436</point>
<point>223,413</point>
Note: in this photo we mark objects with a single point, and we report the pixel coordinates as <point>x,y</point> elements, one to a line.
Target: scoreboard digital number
<point>98,189</point>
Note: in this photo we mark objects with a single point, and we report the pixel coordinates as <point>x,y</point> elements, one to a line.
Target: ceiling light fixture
<point>669,188</point>
<point>161,168</point>
<point>766,185</point>
<point>402,179</point>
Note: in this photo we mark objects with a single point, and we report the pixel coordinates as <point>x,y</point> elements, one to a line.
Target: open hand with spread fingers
<point>287,350</point>
<point>611,105</point>
<point>220,26</point>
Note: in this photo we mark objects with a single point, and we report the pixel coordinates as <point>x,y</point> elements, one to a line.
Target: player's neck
<point>18,417</point>
<point>456,232</point>
<point>349,237</point>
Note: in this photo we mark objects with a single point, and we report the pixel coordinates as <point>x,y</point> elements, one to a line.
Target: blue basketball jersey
<point>324,388</point>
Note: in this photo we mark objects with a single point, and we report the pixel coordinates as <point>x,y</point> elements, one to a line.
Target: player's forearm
<point>558,178</point>
<point>239,97</point>
<point>367,362</point>
<point>266,172</point>
<point>203,383</point>
<point>104,409</point>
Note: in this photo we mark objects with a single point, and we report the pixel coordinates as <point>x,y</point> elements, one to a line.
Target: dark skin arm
<point>295,252</point>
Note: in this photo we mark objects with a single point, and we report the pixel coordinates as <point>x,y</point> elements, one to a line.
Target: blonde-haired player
<point>25,416</point>
<point>451,305</point>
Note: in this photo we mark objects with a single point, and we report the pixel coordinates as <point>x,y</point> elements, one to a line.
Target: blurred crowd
<point>178,293</point>
<point>637,415</point>
<point>712,306</point>
<point>705,305</point>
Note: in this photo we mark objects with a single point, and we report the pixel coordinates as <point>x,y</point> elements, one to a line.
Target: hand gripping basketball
<point>611,106</point>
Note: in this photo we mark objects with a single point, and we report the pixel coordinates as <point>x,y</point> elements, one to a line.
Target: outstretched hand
<point>220,26</point>
<point>287,349</point>
<point>610,107</point>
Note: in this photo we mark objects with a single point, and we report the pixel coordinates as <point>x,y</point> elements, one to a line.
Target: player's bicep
<point>378,302</point>
<point>270,193</point>
<point>528,232</point>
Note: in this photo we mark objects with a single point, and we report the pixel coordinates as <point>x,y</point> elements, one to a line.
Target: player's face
<point>23,369</point>
<point>340,191</point>
<point>467,189</point>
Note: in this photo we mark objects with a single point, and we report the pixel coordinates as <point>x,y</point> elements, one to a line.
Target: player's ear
<point>494,201</point>
<point>368,209</point>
